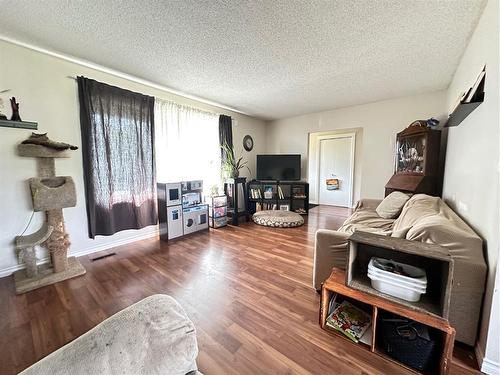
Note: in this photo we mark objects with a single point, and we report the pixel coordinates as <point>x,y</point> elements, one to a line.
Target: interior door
<point>335,171</point>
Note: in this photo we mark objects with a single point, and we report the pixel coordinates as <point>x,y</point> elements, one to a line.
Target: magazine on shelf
<point>350,320</point>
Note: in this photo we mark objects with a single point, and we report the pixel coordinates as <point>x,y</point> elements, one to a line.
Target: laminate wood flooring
<point>246,288</point>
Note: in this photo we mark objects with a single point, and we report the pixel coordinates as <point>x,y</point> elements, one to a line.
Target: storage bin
<point>218,222</point>
<point>411,270</point>
<point>413,349</point>
<point>400,286</point>
<point>395,290</point>
<point>220,201</point>
<point>397,282</point>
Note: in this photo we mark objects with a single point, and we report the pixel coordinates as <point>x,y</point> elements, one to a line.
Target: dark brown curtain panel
<point>225,134</point>
<point>118,157</point>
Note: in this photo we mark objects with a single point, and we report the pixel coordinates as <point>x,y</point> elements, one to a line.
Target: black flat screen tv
<point>278,167</point>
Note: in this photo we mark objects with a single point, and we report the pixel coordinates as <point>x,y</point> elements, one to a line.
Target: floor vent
<point>102,257</point>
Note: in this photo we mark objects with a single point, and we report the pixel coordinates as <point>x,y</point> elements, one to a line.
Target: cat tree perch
<point>50,194</point>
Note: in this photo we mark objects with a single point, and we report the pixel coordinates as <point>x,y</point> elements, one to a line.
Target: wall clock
<point>248,143</point>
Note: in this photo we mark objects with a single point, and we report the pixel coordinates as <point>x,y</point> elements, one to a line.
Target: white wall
<point>471,180</point>
<point>375,144</point>
<point>40,84</point>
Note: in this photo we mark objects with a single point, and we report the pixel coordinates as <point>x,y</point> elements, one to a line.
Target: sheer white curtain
<point>186,144</point>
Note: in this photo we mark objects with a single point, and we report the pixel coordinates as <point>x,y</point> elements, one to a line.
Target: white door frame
<point>351,166</point>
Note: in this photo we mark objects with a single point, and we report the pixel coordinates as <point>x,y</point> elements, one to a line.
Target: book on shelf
<point>265,206</point>
<point>473,90</point>
<point>349,320</point>
<point>255,193</point>
<point>268,192</point>
<point>280,193</point>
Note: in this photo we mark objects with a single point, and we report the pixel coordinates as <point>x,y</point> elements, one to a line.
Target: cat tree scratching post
<point>50,194</point>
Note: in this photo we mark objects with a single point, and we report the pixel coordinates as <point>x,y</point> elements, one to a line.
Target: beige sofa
<point>152,336</point>
<point>427,219</point>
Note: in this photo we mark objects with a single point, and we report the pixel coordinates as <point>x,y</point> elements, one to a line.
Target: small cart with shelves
<point>217,211</point>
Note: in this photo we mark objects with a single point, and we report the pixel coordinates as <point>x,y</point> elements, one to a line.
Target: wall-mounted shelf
<point>461,112</point>
<point>469,102</point>
<point>19,124</point>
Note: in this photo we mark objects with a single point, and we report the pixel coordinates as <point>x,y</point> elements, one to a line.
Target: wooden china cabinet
<point>417,160</point>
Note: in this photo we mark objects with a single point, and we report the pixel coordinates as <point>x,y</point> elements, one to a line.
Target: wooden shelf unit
<point>295,195</point>
<point>336,284</point>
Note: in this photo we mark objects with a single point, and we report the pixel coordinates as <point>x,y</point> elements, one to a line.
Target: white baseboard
<point>490,367</point>
<point>124,241</point>
<point>486,365</point>
<point>93,249</point>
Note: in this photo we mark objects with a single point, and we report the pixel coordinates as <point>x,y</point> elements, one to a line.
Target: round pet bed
<point>279,219</point>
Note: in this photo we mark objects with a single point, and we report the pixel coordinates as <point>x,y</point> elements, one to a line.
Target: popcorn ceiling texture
<point>272,59</point>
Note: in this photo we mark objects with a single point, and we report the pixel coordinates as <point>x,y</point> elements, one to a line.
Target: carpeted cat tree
<point>50,194</point>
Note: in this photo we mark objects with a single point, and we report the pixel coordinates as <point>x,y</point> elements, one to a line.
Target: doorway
<point>336,169</point>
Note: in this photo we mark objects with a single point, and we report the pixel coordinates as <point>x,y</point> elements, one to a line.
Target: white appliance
<point>195,218</point>
<point>174,222</point>
<point>173,194</point>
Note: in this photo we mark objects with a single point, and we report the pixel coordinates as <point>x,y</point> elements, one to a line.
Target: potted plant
<point>230,165</point>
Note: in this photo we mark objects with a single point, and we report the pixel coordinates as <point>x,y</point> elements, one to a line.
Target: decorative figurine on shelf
<point>432,123</point>
<point>15,110</point>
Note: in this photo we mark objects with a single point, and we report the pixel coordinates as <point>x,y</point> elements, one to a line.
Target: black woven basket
<point>412,350</point>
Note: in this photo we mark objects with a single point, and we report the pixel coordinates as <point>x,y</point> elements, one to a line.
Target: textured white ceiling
<point>269,58</point>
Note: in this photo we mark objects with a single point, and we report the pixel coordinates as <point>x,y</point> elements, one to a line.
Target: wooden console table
<point>336,284</point>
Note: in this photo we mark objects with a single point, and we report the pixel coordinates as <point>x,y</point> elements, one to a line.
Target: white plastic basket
<point>400,286</point>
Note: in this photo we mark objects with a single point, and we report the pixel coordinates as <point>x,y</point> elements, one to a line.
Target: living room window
<point>186,144</point>
<point>117,147</point>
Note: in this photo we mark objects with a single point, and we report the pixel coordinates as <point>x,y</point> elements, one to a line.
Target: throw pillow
<point>392,205</point>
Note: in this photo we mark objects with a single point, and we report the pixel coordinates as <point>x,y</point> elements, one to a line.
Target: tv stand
<point>278,195</point>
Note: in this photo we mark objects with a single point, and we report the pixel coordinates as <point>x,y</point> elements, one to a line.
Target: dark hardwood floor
<point>247,289</point>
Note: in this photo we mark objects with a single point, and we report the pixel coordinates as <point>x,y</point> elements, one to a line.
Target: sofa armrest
<point>368,203</point>
<point>330,250</point>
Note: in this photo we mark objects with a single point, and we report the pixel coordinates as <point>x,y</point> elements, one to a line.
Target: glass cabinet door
<point>410,157</point>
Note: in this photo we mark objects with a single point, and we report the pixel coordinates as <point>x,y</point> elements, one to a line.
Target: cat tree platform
<point>47,276</point>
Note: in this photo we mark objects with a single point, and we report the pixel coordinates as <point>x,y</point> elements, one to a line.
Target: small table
<point>231,190</point>
<point>336,284</point>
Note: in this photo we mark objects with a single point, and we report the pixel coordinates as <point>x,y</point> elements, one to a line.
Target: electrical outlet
<point>462,207</point>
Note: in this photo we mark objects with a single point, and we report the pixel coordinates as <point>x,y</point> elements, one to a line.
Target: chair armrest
<point>330,250</point>
<point>368,203</point>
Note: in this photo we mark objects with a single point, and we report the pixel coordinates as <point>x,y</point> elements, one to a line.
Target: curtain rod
<point>217,113</point>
